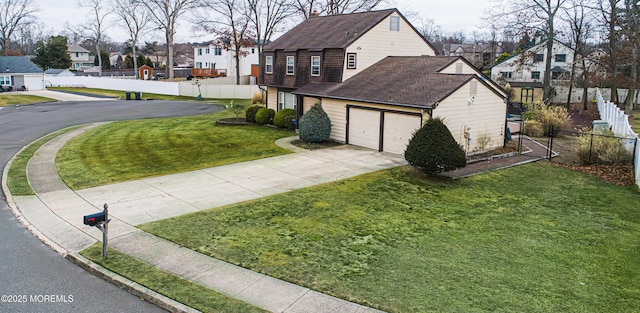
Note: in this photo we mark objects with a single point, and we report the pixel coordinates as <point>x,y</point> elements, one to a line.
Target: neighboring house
<point>527,70</point>
<point>213,56</point>
<point>379,80</point>
<point>58,72</point>
<point>18,73</point>
<point>481,55</point>
<point>80,57</point>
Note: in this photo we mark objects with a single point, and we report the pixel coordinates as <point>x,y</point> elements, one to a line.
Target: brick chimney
<point>314,13</point>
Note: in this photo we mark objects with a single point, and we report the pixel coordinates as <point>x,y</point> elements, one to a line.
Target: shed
<point>145,72</point>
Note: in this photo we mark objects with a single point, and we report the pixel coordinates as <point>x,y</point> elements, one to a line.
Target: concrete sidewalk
<point>56,212</point>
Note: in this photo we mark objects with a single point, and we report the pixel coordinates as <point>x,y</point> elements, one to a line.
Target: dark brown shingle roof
<point>404,81</point>
<point>334,31</point>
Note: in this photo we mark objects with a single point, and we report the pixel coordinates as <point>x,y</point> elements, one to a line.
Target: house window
<point>5,80</point>
<point>206,50</point>
<point>535,75</point>
<point>198,64</point>
<point>315,66</point>
<point>561,58</point>
<point>268,64</point>
<point>539,57</point>
<point>286,100</point>
<point>253,50</point>
<point>556,75</point>
<point>351,60</point>
<point>506,74</point>
<point>291,64</point>
<point>217,51</point>
<point>76,54</point>
<point>395,23</point>
<point>199,51</point>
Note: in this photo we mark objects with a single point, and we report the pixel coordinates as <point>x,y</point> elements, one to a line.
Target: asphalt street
<point>34,278</point>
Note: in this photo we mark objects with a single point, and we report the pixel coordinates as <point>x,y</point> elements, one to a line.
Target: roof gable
<point>17,64</point>
<point>535,48</point>
<point>76,48</point>
<point>333,31</point>
<point>405,81</point>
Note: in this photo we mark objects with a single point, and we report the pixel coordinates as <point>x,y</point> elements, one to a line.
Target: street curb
<point>130,286</point>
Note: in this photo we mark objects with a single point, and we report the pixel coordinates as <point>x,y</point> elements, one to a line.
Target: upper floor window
<point>253,50</point>
<point>351,60</point>
<point>535,75</point>
<point>206,51</point>
<point>77,54</point>
<point>291,64</point>
<point>199,51</point>
<point>268,64</point>
<point>395,23</point>
<point>561,58</point>
<point>539,57</point>
<point>217,51</point>
<point>315,65</point>
<point>506,74</point>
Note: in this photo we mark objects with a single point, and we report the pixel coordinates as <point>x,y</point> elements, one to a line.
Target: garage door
<point>364,128</point>
<point>398,130</point>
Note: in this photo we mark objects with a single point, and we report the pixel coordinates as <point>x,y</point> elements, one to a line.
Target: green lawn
<point>135,149</point>
<point>6,100</point>
<point>119,94</point>
<point>174,287</point>
<point>635,122</point>
<point>534,238</point>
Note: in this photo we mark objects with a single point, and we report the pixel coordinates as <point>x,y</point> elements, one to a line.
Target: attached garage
<point>380,129</point>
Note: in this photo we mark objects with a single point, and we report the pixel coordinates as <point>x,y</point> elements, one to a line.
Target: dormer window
<point>315,65</point>
<point>395,24</point>
<point>268,64</point>
<point>291,64</point>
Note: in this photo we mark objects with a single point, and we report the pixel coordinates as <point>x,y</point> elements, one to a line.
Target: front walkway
<point>56,211</point>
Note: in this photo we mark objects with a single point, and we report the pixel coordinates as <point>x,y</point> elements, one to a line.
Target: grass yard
<point>534,238</point>
<point>635,122</point>
<point>118,93</point>
<point>130,150</point>
<point>174,287</point>
<point>6,100</point>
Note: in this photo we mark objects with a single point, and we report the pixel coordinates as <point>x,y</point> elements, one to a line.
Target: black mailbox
<point>94,219</point>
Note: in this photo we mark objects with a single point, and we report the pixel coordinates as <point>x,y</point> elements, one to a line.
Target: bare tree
<point>266,17</point>
<point>14,15</point>
<point>306,8</point>
<point>630,28</point>
<point>166,14</point>
<point>610,13</point>
<point>532,14</point>
<point>578,17</point>
<point>96,24</point>
<point>133,17</point>
<point>431,31</point>
<point>231,24</point>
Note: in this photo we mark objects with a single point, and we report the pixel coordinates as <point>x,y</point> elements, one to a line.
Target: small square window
<point>268,64</point>
<point>561,58</point>
<point>291,65</point>
<point>351,60</point>
<point>315,66</point>
<point>395,23</point>
<point>535,75</point>
<point>539,57</point>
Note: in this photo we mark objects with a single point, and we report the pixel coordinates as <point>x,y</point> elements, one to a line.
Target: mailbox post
<point>101,221</point>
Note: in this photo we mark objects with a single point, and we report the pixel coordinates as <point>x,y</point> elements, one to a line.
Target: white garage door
<point>364,128</point>
<point>398,130</point>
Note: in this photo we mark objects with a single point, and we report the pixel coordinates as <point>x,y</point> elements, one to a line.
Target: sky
<point>451,16</point>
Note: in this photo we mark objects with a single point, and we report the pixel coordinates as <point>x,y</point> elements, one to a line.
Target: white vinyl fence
<point>619,124</point>
<point>188,88</point>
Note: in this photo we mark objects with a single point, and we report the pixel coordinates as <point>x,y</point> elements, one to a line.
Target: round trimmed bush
<point>251,113</point>
<point>433,149</point>
<point>315,125</point>
<point>265,116</point>
<point>278,119</point>
<point>289,122</point>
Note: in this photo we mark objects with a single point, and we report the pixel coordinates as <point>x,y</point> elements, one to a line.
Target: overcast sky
<point>451,16</point>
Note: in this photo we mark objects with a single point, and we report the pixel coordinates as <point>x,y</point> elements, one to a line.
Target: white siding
<point>485,116</point>
<point>466,69</point>
<point>226,60</point>
<point>380,42</point>
<point>522,67</point>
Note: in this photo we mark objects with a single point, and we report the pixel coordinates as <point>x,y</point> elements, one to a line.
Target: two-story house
<point>525,71</point>
<point>481,55</point>
<point>378,79</point>
<point>80,57</point>
<point>213,56</point>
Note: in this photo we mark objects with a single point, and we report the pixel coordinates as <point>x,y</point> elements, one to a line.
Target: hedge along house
<point>379,80</point>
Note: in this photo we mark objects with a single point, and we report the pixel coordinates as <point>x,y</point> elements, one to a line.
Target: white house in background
<point>529,65</point>
<point>213,56</point>
<point>80,57</point>
<point>19,73</point>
